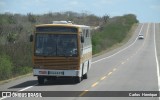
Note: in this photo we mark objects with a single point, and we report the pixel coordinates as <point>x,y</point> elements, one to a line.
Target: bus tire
<point>78,79</point>
<point>40,80</point>
<point>85,76</point>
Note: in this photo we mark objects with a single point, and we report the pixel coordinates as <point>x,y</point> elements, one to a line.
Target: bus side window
<point>87,33</point>
<point>82,39</point>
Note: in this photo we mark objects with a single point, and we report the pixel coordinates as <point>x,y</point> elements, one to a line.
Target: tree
<point>31,18</point>
<point>105,18</point>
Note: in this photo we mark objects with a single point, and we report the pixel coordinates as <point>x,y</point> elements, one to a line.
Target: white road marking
<point>120,50</point>
<point>156,60</point>
<point>28,87</point>
<point>20,90</point>
<point>3,98</point>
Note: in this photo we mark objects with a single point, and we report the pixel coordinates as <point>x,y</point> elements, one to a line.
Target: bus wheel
<point>85,76</point>
<point>78,79</point>
<point>40,80</point>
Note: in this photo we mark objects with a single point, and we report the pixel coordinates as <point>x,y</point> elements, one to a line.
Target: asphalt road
<point>132,67</point>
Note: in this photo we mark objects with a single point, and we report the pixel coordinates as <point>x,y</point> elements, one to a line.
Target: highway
<point>132,67</point>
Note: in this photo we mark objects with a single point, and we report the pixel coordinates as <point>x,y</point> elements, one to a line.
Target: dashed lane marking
<point>84,92</point>
<point>103,78</point>
<point>114,69</point>
<point>109,73</point>
<point>94,84</point>
<point>123,62</point>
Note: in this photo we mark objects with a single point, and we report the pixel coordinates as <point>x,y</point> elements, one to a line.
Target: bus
<point>61,49</point>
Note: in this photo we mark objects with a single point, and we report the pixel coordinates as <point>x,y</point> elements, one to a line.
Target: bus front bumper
<point>46,72</point>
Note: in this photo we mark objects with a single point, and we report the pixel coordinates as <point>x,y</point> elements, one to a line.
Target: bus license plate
<point>56,72</point>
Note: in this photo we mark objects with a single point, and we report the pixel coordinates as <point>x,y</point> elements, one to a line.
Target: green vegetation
<point>16,50</point>
<point>5,67</point>
<point>112,32</point>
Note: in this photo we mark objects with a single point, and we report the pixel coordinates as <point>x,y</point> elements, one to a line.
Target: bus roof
<point>66,25</point>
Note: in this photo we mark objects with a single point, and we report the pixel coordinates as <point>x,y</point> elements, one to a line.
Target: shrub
<point>5,66</point>
<point>112,32</point>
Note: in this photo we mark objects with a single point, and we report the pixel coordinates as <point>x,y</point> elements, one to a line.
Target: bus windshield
<point>56,45</point>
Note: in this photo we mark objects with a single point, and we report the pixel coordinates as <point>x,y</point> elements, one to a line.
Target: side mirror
<point>31,38</point>
<point>82,39</point>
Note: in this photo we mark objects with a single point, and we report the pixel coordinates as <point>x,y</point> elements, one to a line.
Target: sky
<point>145,10</point>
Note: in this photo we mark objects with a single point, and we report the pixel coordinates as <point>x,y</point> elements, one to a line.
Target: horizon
<point>145,10</point>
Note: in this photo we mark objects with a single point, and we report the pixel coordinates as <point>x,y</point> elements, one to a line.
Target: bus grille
<point>56,63</point>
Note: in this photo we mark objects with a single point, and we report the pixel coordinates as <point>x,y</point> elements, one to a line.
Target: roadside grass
<point>117,45</point>
<point>112,33</point>
<point>14,61</point>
